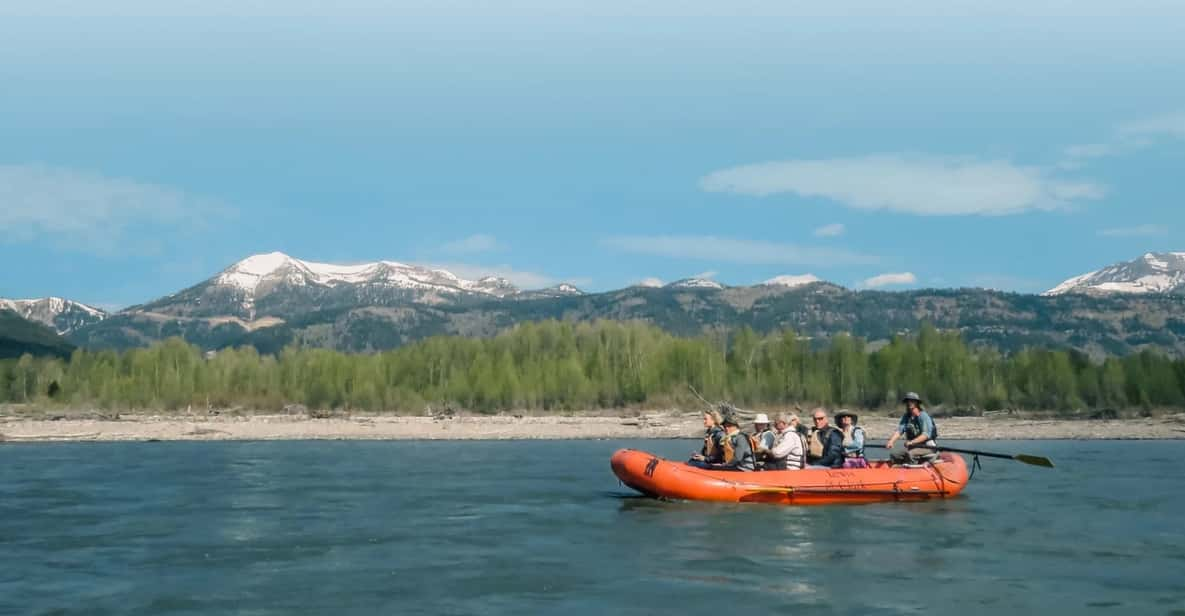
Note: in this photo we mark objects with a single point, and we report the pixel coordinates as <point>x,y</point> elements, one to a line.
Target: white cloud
<point>1136,231</point>
<point>832,230</point>
<point>649,282</point>
<point>1171,125</point>
<point>891,279</point>
<point>478,242</point>
<point>933,186</point>
<point>729,250</point>
<point>1127,138</point>
<point>706,275</point>
<point>1076,156</point>
<point>92,213</point>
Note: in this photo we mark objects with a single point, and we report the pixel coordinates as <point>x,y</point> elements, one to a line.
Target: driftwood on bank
<point>49,437</point>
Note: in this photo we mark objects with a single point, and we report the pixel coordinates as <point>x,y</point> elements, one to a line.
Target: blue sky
<point>143,149</point>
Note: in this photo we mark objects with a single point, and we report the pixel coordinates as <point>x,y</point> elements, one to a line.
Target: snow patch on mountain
<point>791,281</point>
<point>695,283</point>
<point>271,268</point>
<point>62,315</point>
<point>1154,272</point>
<point>560,290</point>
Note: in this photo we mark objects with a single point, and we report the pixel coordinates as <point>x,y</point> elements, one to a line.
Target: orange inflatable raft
<point>654,476</point>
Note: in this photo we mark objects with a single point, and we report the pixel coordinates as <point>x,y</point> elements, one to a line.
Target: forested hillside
<point>19,336</point>
<point>563,365</point>
<point>1099,326</point>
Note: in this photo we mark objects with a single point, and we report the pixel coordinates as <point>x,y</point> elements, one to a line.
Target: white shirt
<point>788,445</point>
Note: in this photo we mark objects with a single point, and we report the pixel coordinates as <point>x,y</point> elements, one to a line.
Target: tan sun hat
<point>761,418</point>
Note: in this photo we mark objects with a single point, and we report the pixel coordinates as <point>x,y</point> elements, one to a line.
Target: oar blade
<point>1034,460</point>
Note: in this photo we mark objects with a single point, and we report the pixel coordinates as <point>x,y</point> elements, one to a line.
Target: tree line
<point>555,365</point>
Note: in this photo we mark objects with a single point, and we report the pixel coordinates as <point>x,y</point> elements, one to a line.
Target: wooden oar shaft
<point>1024,458</point>
<point>986,454</point>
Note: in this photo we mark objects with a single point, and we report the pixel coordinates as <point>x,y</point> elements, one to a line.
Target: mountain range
<point>61,315</point>
<point>1153,273</point>
<point>270,300</point>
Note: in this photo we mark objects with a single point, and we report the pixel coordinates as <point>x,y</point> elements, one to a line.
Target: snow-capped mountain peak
<point>560,290</point>
<point>278,285</point>
<point>63,315</point>
<point>791,281</point>
<point>695,283</point>
<point>490,285</point>
<point>254,272</point>
<point>1154,273</point>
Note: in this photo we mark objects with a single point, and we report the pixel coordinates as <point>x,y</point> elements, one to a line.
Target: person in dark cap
<point>919,431</point>
<point>738,452</point>
<point>853,439</point>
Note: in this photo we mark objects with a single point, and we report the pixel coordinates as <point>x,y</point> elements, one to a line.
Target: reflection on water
<point>543,527</point>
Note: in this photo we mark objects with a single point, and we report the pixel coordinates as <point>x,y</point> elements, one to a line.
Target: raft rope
<point>819,488</point>
<point>974,465</point>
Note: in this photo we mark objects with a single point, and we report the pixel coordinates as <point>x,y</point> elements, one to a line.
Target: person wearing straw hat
<point>763,439</point>
<point>853,439</point>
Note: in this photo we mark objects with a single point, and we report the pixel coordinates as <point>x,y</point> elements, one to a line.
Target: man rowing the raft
<point>918,428</point>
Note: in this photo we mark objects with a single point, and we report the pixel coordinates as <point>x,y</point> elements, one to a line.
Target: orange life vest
<point>730,451</point>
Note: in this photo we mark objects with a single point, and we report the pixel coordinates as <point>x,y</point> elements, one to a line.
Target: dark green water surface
<point>543,527</point>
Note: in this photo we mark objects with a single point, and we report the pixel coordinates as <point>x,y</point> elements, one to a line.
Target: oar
<point>1020,457</point>
<point>774,489</point>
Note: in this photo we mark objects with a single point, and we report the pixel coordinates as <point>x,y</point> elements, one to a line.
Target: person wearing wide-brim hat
<point>853,439</point>
<point>763,438</point>
<point>918,429</point>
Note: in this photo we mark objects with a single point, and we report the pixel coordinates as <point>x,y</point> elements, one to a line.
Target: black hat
<point>911,396</point>
<point>730,420</point>
<point>845,413</point>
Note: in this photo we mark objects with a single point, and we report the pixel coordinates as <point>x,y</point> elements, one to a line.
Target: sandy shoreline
<point>658,424</point>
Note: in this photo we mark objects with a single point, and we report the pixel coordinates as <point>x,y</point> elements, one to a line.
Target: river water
<point>540,527</point>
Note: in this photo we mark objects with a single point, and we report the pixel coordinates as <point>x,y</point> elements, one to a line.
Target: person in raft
<point>853,439</point>
<point>825,445</point>
<point>738,453</point>
<point>786,452</point>
<point>713,449</point>
<point>918,428</point>
<point>763,439</point>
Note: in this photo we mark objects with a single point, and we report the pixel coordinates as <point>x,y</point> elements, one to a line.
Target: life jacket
<point>817,441</point>
<point>913,427</point>
<point>710,442</point>
<point>848,437</point>
<point>792,460</point>
<point>759,440</point>
<point>730,451</point>
<point>814,447</point>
